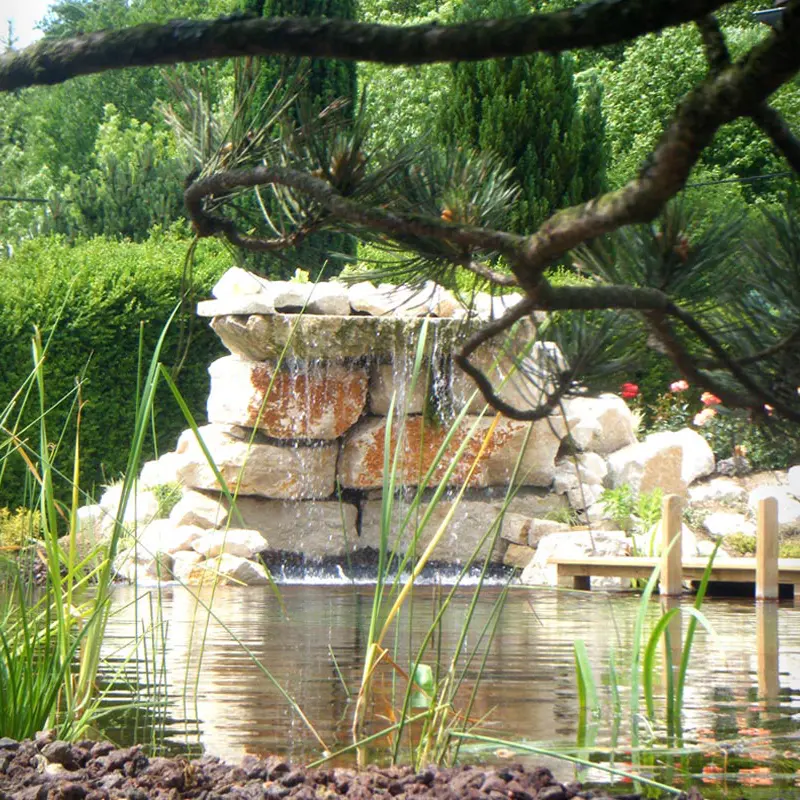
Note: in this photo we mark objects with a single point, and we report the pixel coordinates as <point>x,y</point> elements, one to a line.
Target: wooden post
<point>769,684</point>
<point>671,584</point>
<point>767,550</point>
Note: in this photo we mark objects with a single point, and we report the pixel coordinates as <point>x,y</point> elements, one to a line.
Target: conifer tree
<point>324,81</point>
<point>525,110</point>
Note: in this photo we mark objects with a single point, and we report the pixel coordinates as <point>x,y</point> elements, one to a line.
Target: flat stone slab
<point>297,401</point>
<point>317,529</point>
<point>362,456</point>
<point>264,337</point>
<point>291,473</point>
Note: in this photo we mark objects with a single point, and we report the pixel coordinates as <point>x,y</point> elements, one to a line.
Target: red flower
<point>708,399</point>
<point>629,391</point>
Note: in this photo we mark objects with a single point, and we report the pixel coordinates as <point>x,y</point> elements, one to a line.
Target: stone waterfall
<point>297,420</point>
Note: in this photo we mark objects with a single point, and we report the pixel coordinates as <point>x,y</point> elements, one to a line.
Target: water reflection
<point>221,670</point>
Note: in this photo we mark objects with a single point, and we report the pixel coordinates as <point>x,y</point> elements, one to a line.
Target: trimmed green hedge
<point>106,293</point>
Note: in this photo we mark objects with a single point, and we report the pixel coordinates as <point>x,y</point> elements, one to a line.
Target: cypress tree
<point>326,80</point>
<point>526,110</point>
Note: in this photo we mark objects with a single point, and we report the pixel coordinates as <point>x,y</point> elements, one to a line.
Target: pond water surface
<point>741,709</point>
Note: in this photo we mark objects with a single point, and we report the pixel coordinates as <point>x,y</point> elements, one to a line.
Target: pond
<point>741,707</point>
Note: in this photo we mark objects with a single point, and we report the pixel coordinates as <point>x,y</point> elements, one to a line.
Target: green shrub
<point>108,295</point>
<point>18,527</point>
<point>167,496</point>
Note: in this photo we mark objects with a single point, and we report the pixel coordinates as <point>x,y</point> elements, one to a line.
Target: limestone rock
<point>361,460</point>
<point>539,528</point>
<point>601,424</point>
<point>470,522</point>
<point>590,469</point>
<point>141,508</point>
<point>93,528</point>
<point>236,570</point>
<point>257,469</point>
<point>235,541</point>
<point>264,337</point>
<point>648,465</point>
<point>317,529</point>
<point>698,458</point>
<point>297,402</point>
<point>161,536</point>
<point>184,566</point>
<point>161,471</point>
<point>723,524</point>
<point>516,528</point>
<point>518,556</point>
<point>716,490</point>
<point>489,306</point>
<point>575,544</point>
<point>289,296</point>
<point>533,502</point>
<point>238,282</point>
<point>246,304</point>
<point>134,566</point>
<point>585,496</point>
<point>788,503</point>
<point>329,298</point>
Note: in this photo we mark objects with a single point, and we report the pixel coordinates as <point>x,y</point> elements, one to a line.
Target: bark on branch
<point>592,24</point>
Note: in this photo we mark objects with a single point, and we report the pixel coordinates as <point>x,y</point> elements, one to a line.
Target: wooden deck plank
<point>740,570</point>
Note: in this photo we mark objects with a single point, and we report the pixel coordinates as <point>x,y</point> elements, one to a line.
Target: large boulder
<point>362,456</point>
<point>162,536</point>
<point>649,465</point>
<point>600,424</point>
<point>163,470</point>
<point>698,457</point>
<point>297,401</point>
<point>317,529</point>
<point>230,569</point>
<point>140,509</point>
<point>235,541</point>
<point>573,544</point>
<point>266,470</point>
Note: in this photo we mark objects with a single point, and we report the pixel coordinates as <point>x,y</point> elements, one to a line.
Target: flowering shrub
<point>729,432</point>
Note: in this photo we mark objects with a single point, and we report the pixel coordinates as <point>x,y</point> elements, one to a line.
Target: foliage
<point>526,111</point>
<point>771,444</point>
<point>632,513</point>
<point>740,544</point>
<point>132,182</point>
<point>59,142</point>
<point>322,83</point>
<point>50,641</point>
<point>18,527</point>
<point>641,94</point>
<point>167,496</point>
<point>97,299</point>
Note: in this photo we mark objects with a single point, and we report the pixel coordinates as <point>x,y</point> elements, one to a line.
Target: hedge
<point>95,298</point>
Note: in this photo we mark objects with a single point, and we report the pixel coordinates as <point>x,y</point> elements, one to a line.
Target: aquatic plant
<point>50,644</point>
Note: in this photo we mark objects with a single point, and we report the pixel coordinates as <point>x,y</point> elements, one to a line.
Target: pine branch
<point>593,24</point>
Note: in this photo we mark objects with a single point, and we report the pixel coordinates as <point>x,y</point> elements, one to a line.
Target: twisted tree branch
<point>592,24</point>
